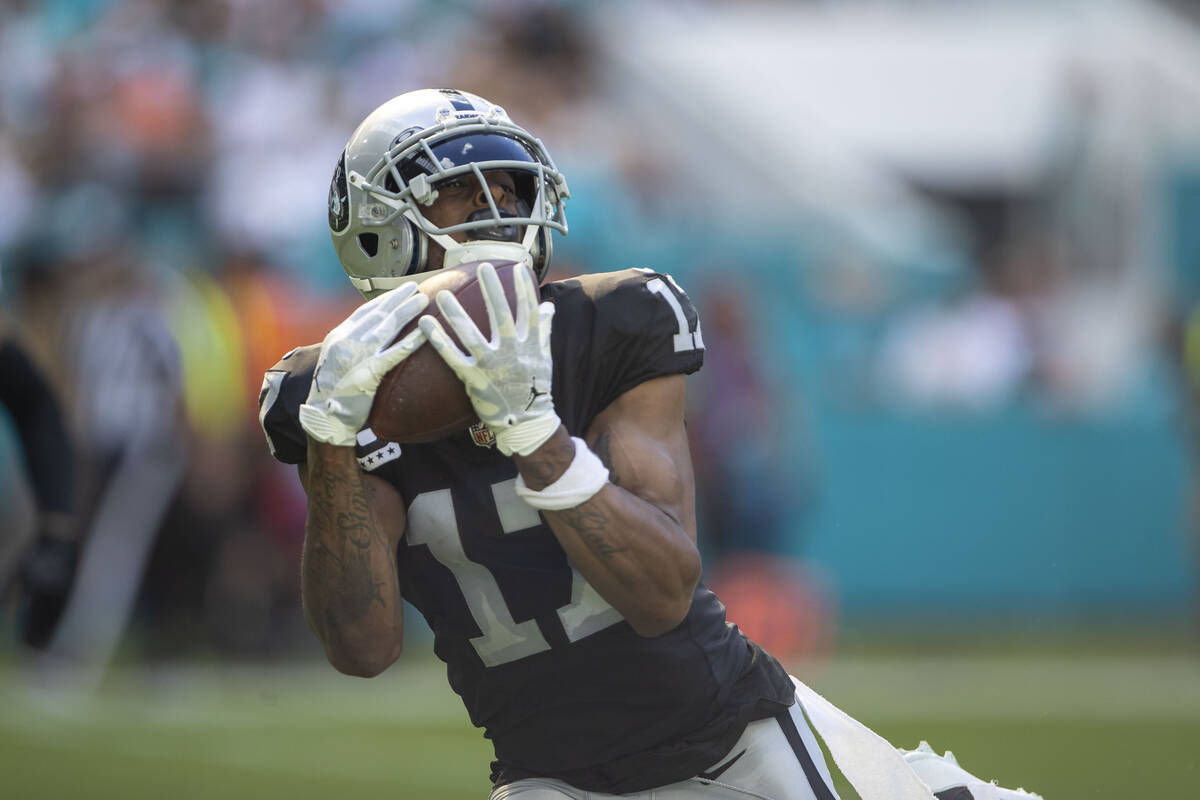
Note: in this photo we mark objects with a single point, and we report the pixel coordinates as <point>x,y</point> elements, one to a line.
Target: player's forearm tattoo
<point>546,468</point>
<point>589,520</point>
<point>590,523</point>
<point>603,451</point>
<point>356,523</point>
<point>338,558</point>
<point>349,590</point>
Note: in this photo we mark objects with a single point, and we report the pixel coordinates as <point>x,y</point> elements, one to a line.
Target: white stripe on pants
<point>768,770</point>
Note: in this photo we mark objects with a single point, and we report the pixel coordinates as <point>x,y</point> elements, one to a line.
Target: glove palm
<point>507,376</point>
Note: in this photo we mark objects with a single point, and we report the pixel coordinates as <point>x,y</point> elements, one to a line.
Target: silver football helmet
<point>392,167</point>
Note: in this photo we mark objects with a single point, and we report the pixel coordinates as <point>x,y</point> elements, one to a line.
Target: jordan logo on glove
<point>534,394</point>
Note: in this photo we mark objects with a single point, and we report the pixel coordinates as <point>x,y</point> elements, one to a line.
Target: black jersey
<point>559,681</point>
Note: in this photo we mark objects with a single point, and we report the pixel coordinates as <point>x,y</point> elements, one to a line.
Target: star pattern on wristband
<point>379,457</point>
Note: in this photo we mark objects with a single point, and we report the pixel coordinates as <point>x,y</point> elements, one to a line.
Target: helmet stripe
<point>458,100</point>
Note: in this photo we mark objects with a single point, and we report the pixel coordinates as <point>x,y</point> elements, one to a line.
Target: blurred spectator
<point>99,320</point>
<point>751,493</point>
<point>973,354</point>
<point>225,575</point>
<point>18,508</point>
<point>536,59</point>
<point>735,434</point>
<point>38,534</point>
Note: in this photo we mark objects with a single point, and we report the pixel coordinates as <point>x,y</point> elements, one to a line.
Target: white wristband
<point>321,427</point>
<point>527,436</point>
<point>583,479</point>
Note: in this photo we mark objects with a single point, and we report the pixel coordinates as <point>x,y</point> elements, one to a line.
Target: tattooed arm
<point>634,541</point>
<point>348,579</point>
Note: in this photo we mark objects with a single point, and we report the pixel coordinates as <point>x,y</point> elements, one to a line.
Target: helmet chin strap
<point>456,253</point>
<point>463,252</point>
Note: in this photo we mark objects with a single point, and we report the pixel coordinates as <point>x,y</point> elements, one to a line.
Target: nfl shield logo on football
<point>482,436</point>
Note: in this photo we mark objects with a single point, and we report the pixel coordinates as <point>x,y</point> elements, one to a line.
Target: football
<point>421,399</point>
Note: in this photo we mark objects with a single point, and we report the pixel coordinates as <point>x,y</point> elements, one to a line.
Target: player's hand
<point>47,573</point>
<point>508,377</point>
<point>354,358</point>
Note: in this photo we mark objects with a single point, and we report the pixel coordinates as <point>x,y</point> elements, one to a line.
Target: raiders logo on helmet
<point>339,199</point>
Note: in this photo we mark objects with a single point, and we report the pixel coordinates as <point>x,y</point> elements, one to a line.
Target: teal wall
<point>1007,515</point>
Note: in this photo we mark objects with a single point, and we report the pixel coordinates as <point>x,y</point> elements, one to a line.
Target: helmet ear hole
<point>369,244</point>
<point>416,244</point>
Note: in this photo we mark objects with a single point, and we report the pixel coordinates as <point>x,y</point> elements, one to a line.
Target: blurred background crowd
<point>947,258</point>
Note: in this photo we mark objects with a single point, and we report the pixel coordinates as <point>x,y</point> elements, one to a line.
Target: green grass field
<point>1094,726</point>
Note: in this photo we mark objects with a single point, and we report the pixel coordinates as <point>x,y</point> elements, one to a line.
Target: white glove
<point>507,378</point>
<point>354,358</point>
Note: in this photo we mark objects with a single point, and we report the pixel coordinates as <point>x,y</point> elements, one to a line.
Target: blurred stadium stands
<point>965,239</point>
<point>949,260</point>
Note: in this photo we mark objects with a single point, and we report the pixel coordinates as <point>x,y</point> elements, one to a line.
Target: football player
<point>552,547</point>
